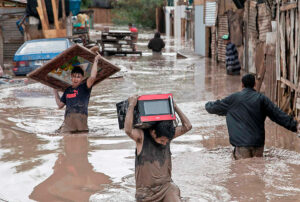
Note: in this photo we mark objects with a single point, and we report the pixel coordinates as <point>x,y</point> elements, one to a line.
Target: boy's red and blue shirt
<point>77,99</point>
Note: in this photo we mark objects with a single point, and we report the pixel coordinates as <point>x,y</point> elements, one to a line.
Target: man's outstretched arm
<point>219,107</point>
<point>186,124</point>
<point>135,134</point>
<point>280,117</point>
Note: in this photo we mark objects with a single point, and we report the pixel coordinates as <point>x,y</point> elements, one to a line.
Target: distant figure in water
<point>246,112</point>
<point>156,44</point>
<point>153,166</point>
<point>76,98</point>
<point>135,34</point>
<point>233,66</point>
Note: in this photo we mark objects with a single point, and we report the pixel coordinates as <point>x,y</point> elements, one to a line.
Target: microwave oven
<point>149,109</point>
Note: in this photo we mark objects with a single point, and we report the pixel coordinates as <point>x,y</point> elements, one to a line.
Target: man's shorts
<point>74,122</point>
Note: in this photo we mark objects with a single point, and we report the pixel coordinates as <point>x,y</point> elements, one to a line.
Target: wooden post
<point>278,55</point>
<point>282,28</point>
<point>63,6</point>
<point>41,9</point>
<point>45,14</point>
<point>1,48</point>
<point>292,48</point>
<point>55,14</point>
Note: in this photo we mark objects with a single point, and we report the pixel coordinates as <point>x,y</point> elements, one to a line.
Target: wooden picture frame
<point>105,68</point>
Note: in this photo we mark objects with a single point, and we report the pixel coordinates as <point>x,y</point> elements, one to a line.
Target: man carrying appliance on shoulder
<point>153,166</point>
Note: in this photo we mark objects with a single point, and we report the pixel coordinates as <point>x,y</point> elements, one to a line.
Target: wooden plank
<point>41,14</point>
<point>42,5</point>
<point>63,5</point>
<point>282,45</point>
<point>288,83</point>
<point>298,103</point>
<point>1,48</point>
<point>260,63</point>
<point>55,14</point>
<point>292,48</point>
<point>55,33</point>
<point>288,6</point>
<point>297,45</point>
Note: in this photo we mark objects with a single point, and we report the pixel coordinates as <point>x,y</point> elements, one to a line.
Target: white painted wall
<point>178,14</point>
<point>199,30</point>
<point>168,10</point>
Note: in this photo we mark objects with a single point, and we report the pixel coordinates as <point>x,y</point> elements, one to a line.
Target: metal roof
<point>18,1</point>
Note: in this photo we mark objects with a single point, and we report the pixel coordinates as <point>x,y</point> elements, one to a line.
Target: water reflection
<point>73,177</point>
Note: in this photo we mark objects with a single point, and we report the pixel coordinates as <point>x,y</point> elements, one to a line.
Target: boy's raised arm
<point>92,78</point>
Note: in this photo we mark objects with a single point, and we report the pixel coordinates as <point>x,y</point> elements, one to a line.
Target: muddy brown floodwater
<point>37,165</point>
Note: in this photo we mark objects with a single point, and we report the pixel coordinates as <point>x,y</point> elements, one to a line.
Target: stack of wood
<point>59,26</point>
<point>118,42</point>
<point>222,30</point>
<point>264,21</point>
<point>288,62</point>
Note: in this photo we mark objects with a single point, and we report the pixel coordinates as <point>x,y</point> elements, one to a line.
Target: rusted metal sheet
<point>1,49</point>
<point>47,74</point>
<point>12,39</point>
<point>252,18</point>
<point>260,63</point>
<point>288,6</point>
<point>236,26</point>
<point>222,29</point>
<point>264,21</point>
<point>213,42</point>
<point>270,80</point>
<point>210,13</point>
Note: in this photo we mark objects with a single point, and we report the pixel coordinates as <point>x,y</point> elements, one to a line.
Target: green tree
<point>138,12</point>
<point>85,4</point>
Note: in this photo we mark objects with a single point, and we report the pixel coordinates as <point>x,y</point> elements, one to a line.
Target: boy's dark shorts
<point>74,122</point>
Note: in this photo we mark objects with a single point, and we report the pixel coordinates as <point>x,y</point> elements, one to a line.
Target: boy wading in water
<point>153,166</point>
<point>76,98</point>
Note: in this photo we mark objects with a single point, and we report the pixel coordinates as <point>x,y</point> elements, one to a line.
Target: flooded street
<point>36,164</point>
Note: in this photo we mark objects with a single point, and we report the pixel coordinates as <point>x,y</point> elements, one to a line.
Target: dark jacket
<point>232,58</point>
<point>245,113</point>
<point>156,44</point>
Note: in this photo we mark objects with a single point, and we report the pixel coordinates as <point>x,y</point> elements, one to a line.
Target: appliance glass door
<point>156,107</point>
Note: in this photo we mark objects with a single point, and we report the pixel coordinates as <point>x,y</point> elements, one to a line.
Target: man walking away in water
<point>246,112</point>
<point>153,166</point>
<point>156,44</point>
<point>76,98</point>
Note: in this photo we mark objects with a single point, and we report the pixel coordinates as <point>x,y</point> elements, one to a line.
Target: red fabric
<point>133,29</point>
